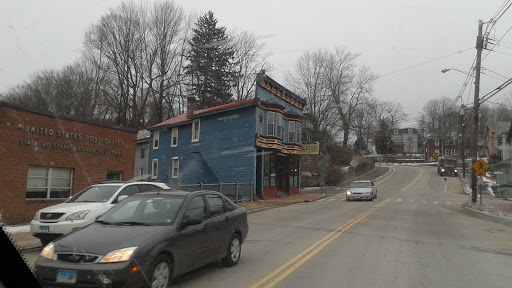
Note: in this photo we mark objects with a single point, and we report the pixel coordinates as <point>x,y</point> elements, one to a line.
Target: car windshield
<point>95,194</point>
<point>360,185</point>
<point>144,210</point>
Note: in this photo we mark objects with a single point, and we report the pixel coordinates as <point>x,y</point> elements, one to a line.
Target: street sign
<point>480,167</point>
<point>354,163</point>
<point>435,155</point>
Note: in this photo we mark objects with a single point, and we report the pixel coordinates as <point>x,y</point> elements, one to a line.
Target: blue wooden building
<point>255,141</point>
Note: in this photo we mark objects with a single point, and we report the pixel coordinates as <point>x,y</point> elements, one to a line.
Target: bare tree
<point>251,58</point>
<point>308,81</point>
<point>347,85</point>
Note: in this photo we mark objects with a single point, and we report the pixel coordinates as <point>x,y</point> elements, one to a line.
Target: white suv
<point>83,208</point>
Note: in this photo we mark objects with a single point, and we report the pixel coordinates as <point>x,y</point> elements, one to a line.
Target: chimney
<point>191,105</point>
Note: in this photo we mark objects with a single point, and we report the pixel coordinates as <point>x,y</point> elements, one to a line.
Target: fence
<point>238,192</point>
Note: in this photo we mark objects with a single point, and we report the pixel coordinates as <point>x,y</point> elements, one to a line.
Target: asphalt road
<point>416,234</point>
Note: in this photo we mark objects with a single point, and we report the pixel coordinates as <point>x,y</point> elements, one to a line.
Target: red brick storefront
<point>44,159</point>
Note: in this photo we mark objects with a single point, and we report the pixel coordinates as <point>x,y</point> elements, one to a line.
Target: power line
<point>426,62</point>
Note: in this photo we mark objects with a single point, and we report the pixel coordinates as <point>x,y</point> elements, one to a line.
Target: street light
<point>448,69</point>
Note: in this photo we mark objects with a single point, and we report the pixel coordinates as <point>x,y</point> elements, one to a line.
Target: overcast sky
<point>407,42</point>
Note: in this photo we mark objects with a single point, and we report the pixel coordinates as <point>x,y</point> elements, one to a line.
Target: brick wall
<point>35,139</point>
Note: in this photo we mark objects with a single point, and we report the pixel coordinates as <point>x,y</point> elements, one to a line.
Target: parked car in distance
<point>146,240</point>
<point>361,190</point>
<point>82,208</point>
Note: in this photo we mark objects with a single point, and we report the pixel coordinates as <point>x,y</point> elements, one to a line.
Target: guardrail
<point>237,191</point>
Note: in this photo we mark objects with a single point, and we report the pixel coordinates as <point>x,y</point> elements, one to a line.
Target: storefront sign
<point>310,148</point>
<point>68,141</point>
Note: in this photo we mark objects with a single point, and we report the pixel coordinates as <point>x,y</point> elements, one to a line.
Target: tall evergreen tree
<point>210,66</point>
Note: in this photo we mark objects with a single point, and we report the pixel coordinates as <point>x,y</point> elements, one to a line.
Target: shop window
<point>49,183</point>
<point>293,168</point>
<point>174,137</point>
<point>270,123</point>
<point>114,175</point>
<point>156,139</point>
<point>154,168</point>
<point>269,173</point>
<point>196,130</point>
<point>175,167</point>
<point>291,132</point>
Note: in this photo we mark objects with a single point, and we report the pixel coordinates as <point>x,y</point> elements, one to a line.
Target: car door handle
<point>226,218</point>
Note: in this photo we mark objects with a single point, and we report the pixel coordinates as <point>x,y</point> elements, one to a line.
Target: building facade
<point>407,141</point>
<point>45,159</point>
<point>256,140</point>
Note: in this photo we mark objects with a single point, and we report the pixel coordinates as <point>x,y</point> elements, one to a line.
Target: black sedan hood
<point>101,238</point>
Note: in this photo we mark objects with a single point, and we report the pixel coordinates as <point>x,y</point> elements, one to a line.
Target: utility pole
<point>476,104</point>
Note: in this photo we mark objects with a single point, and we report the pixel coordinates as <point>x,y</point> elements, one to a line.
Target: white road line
<point>423,202</point>
<point>448,203</point>
<point>435,202</point>
<point>399,200</point>
<point>321,200</point>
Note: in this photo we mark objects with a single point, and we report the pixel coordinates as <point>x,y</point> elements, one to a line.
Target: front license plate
<point>357,197</point>
<point>44,228</point>
<point>66,276</point>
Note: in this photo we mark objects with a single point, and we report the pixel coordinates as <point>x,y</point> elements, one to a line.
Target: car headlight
<point>367,193</point>
<point>455,170</point>
<point>48,252</point>
<point>35,216</point>
<point>348,192</point>
<point>442,169</point>
<point>77,215</point>
<point>118,255</point>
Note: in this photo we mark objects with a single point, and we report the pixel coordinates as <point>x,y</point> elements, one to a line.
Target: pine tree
<point>210,63</point>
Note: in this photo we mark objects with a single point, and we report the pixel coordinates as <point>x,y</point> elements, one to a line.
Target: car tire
<point>160,273</point>
<point>371,198</point>
<point>348,199</point>
<point>233,252</point>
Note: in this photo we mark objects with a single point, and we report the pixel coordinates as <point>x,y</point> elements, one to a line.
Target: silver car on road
<point>361,190</point>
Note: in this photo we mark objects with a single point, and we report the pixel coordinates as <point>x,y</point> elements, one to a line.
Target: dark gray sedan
<point>146,240</point>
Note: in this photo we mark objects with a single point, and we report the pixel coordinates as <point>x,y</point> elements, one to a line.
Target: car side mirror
<point>191,221</point>
<point>120,198</point>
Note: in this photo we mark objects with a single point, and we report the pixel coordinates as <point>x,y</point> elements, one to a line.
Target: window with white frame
<point>453,152</point>
<point>175,167</point>
<point>49,183</point>
<point>154,168</point>
<point>279,121</point>
<point>446,151</point>
<point>298,133</point>
<point>395,131</point>
<point>196,129</point>
<point>270,123</point>
<point>436,142</point>
<point>291,131</point>
<point>156,139</point>
<point>174,137</point>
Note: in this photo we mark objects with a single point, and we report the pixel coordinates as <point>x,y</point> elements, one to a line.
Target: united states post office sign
<point>310,148</point>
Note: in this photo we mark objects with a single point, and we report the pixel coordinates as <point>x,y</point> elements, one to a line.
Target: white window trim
<point>290,130</point>
<point>194,139</point>
<point>174,130</point>
<point>48,186</point>
<point>271,132</point>
<point>156,139</point>
<point>177,168</point>
<point>298,132</point>
<point>154,172</point>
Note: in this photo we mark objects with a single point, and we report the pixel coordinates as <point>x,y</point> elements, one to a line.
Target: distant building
<point>406,141</point>
<point>256,140</point>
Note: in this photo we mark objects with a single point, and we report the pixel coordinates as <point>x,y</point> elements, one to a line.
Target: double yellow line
<point>282,272</point>
<point>413,182</point>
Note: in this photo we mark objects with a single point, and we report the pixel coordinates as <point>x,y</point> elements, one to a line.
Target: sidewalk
<point>492,206</point>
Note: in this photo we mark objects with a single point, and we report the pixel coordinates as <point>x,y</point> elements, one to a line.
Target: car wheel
<point>234,251</point>
<point>161,272</point>
<point>348,199</point>
<point>371,198</point>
